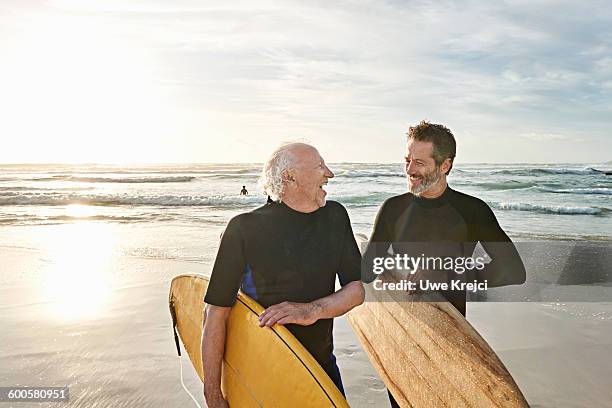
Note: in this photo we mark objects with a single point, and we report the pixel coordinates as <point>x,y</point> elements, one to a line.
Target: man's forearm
<point>340,302</point>
<point>213,348</point>
<point>506,266</point>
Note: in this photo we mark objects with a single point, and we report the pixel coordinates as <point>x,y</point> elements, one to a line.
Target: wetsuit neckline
<point>434,202</point>
<point>298,213</point>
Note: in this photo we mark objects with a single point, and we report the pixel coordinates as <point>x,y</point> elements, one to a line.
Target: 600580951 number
<point>33,394</point>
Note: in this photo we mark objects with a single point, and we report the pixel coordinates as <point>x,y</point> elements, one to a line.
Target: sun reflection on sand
<point>77,283</point>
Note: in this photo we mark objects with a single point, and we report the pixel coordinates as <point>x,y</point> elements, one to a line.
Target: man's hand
<point>289,312</point>
<point>304,314</point>
<point>214,397</point>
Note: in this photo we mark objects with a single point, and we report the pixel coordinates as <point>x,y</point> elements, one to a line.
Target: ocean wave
<point>596,191</point>
<point>125,199</point>
<point>245,175</point>
<point>98,169</point>
<point>61,219</point>
<point>177,179</point>
<point>500,185</point>
<point>551,209</point>
<point>21,188</point>
<point>137,177</point>
<point>99,217</point>
<point>549,171</point>
<point>556,236</point>
<point>160,216</point>
<point>369,174</point>
<point>362,200</point>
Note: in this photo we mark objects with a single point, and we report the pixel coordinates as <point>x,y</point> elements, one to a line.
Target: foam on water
<point>81,179</point>
<point>550,209</point>
<point>597,190</point>
<point>167,200</point>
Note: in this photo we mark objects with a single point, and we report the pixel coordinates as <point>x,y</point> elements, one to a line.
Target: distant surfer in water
<point>286,255</point>
<point>434,215</point>
<point>244,191</point>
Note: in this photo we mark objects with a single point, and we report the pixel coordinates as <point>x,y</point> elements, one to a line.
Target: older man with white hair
<point>286,255</point>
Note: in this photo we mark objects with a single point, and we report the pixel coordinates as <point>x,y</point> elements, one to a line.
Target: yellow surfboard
<point>262,367</point>
<point>428,355</point>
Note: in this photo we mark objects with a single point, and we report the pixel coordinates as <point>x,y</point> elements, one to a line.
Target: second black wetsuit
<point>277,254</point>
<point>455,223</point>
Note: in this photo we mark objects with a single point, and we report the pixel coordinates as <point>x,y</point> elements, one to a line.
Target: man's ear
<point>447,165</point>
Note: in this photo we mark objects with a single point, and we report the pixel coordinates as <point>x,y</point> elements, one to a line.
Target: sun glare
<point>78,282</point>
<point>83,89</point>
<point>80,210</point>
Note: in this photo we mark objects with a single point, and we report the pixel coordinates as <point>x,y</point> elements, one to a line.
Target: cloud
<point>546,137</point>
<point>358,71</point>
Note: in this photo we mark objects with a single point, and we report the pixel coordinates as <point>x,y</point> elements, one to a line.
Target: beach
<point>87,254</point>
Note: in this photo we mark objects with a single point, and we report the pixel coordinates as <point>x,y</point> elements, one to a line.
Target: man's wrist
<point>212,390</point>
<point>316,310</point>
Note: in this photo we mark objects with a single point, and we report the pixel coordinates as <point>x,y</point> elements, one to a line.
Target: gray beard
<point>427,182</point>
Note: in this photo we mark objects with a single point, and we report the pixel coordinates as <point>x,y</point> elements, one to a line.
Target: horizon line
<point>261,163</point>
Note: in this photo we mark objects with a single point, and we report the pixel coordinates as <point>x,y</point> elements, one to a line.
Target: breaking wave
<point>125,199</point>
<point>551,209</point>
<point>551,170</point>
<point>178,179</point>
<point>597,191</point>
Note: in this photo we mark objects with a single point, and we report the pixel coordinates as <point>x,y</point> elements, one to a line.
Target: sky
<point>115,81</point>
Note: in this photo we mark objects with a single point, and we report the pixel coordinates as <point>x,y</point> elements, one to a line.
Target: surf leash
<point>183,384</point>
<point>178,350</point>
<point>173,315</point>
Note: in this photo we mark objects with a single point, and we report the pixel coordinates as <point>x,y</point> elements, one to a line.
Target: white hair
<point>271,179</point>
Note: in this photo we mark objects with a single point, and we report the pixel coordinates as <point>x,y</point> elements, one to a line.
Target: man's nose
<point>410,168</point>
<point>328,173</point>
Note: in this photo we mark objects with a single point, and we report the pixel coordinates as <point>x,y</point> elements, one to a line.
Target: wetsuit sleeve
<point>506,266</point>
<point>381,232</point>
<point>229,267</point>
<point>350,264</point>
<point>376,245</point>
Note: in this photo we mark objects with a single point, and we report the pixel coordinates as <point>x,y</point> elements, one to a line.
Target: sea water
<point>545,201</point>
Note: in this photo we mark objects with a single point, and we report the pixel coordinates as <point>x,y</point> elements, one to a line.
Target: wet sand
<point>122,353</point>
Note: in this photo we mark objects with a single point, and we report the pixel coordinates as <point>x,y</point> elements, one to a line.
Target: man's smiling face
<point>311,174</point>
<point>421,168</point>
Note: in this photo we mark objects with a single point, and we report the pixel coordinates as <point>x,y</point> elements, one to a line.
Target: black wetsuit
<point>453,222</point>
<point>277,254</point>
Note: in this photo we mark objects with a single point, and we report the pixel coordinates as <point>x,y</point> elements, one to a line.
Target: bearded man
<point>440,220</point>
